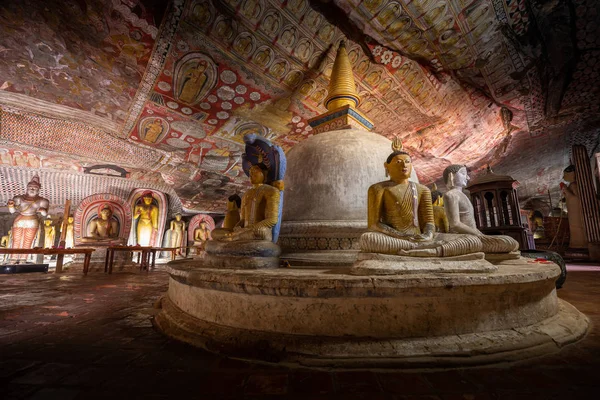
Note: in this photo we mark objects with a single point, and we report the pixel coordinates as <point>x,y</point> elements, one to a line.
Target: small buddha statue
<point>146,214</point>
<point>400,217</point>
<point>578,238</point>
<point>201,235</point>
<point>103,228</point>
<point>25,226</point>
<point>232,217</point>
<point>177,232</point>
<point>70,233</point>
<point>461,216</point>
<point>5,240</point>
<point>49,234</point>
<point>439,214</point>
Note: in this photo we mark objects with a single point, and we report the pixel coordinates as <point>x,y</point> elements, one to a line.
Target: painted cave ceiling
<point>161,93</point>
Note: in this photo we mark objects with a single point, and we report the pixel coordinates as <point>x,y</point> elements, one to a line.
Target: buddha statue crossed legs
<point>400,217</point>
<point>461,219</point>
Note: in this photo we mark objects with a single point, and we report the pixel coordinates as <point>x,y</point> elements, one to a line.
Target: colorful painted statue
<point>26,224</point>
<point>102,228</point>
<point>574,212</point>
<point>461,216</point>
<point>49,234</point>
<point>260,217</point>
<point>146,214</point>
<point>400,217</point>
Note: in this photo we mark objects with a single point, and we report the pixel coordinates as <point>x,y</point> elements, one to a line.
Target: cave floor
<point>68,337</point>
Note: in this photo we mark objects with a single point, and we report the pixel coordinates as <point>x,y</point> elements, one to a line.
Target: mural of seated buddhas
<point>195,75</point>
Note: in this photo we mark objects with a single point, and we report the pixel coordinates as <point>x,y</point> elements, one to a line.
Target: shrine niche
<point>194,76</point>
<point>199,229</point>
<point>91,209</point>
<point>153,129</point>
<point>149,217</point>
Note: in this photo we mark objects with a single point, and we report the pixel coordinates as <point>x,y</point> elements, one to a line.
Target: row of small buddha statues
<point>102,228</point>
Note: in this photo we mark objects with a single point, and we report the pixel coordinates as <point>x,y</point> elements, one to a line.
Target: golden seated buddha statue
<point>103,228</point>
<point>400,217</point>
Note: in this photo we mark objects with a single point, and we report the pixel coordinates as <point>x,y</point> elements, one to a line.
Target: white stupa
<point>328,176</point>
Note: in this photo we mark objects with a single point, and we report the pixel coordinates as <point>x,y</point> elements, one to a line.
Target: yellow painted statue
<point>259,210</point>
<point>5,240</point>
<point>177,233</point>
<point>49,234</point>
<point>439,214</point>
<point>232,218</point>
<point>70,234</point>
<point>146,214</point>
<point>400,217</point>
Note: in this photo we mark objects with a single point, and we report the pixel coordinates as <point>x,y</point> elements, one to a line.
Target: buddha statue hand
<point>427,234</point>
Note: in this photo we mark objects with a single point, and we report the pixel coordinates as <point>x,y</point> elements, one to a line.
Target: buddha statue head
<point>437,198</point>
<point>569,173</point>
<point>178,217</point>
<point>48,222</point>
<point>456,175</point>
<point>70,220</point>
<point>33,187</point>
<point>147,197</point>
<point>258,174</point>
<point>105,212</point>
<point>398,165</point>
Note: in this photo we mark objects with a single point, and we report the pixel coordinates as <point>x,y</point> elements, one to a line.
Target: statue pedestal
<point>243,254</point>
<point>385,264</point>
<point>331,318</point>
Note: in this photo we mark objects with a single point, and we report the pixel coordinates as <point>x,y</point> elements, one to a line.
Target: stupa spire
<point>342,100</point>
<point>342,89</point>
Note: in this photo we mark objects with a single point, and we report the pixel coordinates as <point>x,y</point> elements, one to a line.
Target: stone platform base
<point>384,264</point>
<point>243,254</point>
<point>330,318</point>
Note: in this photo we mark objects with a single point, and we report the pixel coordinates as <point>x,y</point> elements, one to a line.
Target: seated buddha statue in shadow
<point>232,218</point>
<point>461,217</point>
<point>252,241</point>
<point>103,228</point>
<point>400,217</point>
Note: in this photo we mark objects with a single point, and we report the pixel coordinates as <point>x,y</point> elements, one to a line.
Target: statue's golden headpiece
<point>397,145</point>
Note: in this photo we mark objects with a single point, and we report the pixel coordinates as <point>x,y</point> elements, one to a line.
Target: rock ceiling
<point>163,92</point>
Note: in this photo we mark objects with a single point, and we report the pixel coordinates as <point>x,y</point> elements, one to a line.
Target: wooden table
<point>60,252</point>
<point>146,253</point>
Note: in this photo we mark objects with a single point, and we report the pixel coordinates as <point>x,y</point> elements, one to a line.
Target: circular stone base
<point>332,319</point>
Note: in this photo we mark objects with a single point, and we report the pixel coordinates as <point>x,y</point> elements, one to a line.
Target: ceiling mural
<point>458,81</point>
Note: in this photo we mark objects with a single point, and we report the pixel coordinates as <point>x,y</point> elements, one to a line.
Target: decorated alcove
<point>195,223</point>
<point>159,199</point>
<point>89,208</point>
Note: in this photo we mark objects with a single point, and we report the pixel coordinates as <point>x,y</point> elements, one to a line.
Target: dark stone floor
<point>74,337</point>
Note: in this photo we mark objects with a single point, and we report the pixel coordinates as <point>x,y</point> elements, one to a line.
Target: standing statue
<point>177,233</point>
<point>49,234</point>
<point>102,228</point>
<point>26,225</point>
<point>70,234</point>
<point>461,216</point>
<point>400,217</point>
<point>574,212</point>
<point>146,214</point>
